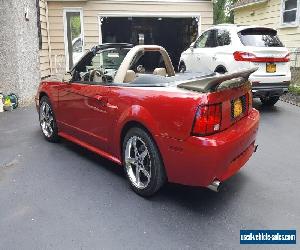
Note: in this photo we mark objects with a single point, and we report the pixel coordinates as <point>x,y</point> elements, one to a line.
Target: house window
<point>73,36</point>
<point>290,11</point>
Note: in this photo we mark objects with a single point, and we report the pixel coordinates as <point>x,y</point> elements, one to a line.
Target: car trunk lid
<point>217,82</point>
<point>227,99</point>
<point>264,49</point>
<point>271,61</point>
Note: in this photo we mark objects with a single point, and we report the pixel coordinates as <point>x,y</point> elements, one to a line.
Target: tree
<point>222,11</point>
<point>75,26</point>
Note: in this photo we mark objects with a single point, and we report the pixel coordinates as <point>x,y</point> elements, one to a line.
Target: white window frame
<point>290,24</point>
<point>65,11</point>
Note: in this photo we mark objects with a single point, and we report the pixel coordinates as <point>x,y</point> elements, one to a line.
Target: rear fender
<point>138,114</point>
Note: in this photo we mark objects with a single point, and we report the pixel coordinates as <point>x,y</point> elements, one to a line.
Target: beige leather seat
<point>130,76</point>
<point>160,72</point>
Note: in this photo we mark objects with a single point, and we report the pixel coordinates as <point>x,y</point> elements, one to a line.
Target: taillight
<point>287,57</point>
<point>207,119</point>
<point>250,57</point>
<point>243,56</point>
<point>249,99</point>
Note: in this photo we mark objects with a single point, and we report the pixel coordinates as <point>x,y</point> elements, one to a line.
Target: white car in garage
<point>229,48</point>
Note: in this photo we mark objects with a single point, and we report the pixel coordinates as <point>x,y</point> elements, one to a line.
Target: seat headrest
<point>130,76</point>
<point>160,72</point>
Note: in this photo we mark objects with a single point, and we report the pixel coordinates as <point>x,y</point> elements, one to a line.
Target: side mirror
<point>67,77</point>
<point>192,48</point>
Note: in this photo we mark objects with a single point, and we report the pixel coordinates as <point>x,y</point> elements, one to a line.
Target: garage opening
<point>174,34</point>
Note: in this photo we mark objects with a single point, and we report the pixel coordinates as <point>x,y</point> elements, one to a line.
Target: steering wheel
<point>96,72</point>
<point>140,69</point>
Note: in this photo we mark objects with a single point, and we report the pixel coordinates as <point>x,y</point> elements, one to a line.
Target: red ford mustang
<point>126,104</point>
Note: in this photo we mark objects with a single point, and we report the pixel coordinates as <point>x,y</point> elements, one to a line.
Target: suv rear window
<point>260,37</point>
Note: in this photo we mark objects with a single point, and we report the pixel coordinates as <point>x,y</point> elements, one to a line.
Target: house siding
<point>91,10</point>
<point>269,14</point>
<point>44,52</point>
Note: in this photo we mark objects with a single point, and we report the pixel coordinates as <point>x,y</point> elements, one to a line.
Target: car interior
<point>144,64</point>
<point>99,67</point>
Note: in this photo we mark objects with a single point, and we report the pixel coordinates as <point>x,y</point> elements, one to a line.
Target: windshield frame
<point>116,50</point>
<point>89,54</point>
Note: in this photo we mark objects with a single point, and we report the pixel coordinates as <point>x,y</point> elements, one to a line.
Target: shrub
<point>295,89</point>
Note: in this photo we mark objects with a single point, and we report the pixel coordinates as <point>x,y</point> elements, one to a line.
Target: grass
<point>295,89</point>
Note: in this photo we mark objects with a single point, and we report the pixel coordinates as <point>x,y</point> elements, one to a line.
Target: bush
<point>295,89</point>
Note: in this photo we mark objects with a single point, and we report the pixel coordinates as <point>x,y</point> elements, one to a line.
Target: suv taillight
<point>207,120</point>
<point>250,57</point>
<point>287,57</point>
<point>243,56</point>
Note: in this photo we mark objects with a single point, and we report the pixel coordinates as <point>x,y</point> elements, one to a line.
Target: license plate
<point>237,108</point>
<point>271,67</point>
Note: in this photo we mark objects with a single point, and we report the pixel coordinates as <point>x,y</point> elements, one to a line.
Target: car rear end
<point>222,136</point>
<point>262,48</point>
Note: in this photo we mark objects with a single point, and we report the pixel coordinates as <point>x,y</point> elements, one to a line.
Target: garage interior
<point>174,34</point>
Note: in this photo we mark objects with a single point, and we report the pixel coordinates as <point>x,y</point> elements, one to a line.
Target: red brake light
<point>249,100</point>
<point>250,57</point>
<point>243,56</point>
<point>207,120</point>
<point>287,57</point>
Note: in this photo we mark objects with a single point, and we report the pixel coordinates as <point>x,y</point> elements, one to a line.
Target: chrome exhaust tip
<point>215,186</point>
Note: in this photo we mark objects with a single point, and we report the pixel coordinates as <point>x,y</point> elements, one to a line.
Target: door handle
<point>102,99</point>
<point>198,58</point>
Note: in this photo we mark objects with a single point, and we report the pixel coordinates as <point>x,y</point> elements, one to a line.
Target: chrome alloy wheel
<point>138,162</point>
<point>46,119</point>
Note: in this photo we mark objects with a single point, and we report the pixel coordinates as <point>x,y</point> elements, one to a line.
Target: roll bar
<point>125,65</point>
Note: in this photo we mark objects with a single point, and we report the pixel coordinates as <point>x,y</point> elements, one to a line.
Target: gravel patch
<point>291,98</point>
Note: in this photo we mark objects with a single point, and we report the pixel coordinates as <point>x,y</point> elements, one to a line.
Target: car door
<point>192,61</point>
<point>83,110</point>
<point>204,52</point>
<point>222,57</point>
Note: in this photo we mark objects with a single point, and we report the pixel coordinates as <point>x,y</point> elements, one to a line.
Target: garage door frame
<point>166,14</point>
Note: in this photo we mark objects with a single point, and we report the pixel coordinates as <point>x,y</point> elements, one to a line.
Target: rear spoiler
<point>218,81</point>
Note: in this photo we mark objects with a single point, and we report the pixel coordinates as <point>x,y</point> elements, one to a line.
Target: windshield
<point>260,37</point>
<point>100,66</point>
<point>109,59</point>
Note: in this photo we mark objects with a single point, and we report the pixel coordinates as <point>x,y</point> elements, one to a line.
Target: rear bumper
<point>269,89</point>
<point>262,77</point>
<point>198,161</point>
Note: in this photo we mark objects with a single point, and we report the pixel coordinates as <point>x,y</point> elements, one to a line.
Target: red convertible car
<point>126,104</point>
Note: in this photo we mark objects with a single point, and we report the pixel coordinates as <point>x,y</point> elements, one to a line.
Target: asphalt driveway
<point>60,196</point>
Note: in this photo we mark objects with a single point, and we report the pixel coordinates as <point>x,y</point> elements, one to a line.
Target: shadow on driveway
<point>266,109</point>
<point>196,199</point>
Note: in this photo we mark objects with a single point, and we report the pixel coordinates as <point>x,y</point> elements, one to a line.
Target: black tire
<point>220,70</point>
<point>269,101</point>
<point>152,163</point>
<point>51,127</point>
<point>182,68</point>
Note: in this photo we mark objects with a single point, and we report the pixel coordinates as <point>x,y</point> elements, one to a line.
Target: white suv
<point>229,48</point>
